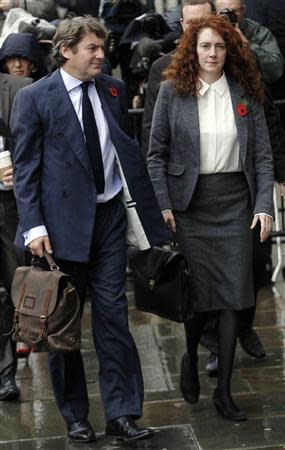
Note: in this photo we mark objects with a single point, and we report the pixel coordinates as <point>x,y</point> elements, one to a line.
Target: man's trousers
<point>120,374</point>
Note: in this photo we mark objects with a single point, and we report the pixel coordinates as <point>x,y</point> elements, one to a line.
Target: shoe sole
<point>125,439</point>
<point>82,441</point>
<point>231,418</point>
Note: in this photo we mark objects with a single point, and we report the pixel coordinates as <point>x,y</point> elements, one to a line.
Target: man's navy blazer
<point>53,179</point>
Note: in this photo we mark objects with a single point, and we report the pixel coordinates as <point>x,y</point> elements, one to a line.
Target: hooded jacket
<point>22,45</point>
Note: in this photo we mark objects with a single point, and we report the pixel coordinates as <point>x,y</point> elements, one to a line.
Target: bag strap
<point>51,262</point>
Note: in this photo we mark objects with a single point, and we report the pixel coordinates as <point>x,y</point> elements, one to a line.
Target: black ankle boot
<point>226,408</point>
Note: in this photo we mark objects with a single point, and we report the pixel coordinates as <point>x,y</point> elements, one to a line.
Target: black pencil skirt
<point>215,237</point>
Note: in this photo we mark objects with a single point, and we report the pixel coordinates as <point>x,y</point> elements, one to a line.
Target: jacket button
<point>65,194</point>
<point>67,164</point>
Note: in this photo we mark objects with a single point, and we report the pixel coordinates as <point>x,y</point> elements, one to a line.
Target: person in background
<point>44,9</point>
<point>258,38</point>
<point>71,156</point>
<point>21,55</point>
<point>213,176</point>
<point>10,256</point>
<point>190,9</point>
<point>271,14</point>
<point>170,10</point>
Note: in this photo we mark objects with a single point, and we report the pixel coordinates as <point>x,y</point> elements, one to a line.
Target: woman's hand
<point>169,220</point>
<point>265,225</point>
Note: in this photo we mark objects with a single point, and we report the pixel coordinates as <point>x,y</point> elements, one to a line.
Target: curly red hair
<point>183,70</point>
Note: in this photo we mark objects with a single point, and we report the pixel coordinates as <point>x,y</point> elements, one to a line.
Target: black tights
<point>227,337</point>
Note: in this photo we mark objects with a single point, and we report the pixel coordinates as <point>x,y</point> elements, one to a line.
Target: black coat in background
<point>271,13</point>
<point>81,7</point>
<point>153,85</point>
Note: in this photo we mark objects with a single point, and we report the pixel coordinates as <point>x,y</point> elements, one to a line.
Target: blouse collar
<point>220,86</point>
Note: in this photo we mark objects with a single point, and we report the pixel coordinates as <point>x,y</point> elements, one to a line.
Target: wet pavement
<point>33,423</point>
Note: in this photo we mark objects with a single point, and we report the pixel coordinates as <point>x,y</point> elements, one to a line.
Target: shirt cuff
<point>258,214</point>
<point>34,233</point>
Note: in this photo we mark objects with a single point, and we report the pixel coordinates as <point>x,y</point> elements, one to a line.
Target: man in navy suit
<point>69,208</point>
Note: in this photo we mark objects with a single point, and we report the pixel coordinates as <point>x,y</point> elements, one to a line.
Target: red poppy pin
<point>113,91</point>
<point>242,108</point>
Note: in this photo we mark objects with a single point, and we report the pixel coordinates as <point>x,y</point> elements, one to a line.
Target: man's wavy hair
<point>71,31</point>
<point>183,70</point>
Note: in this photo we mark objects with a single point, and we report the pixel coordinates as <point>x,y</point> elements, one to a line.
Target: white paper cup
<point>5,163</point>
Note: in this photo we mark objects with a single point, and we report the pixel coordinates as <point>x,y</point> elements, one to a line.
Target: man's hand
<point>169,220</point>
<point>5,5</point>
<point>8,177</point>
<point>265,225</point>
<point>37,246</point>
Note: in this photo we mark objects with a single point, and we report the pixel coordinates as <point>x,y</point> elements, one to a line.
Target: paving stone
<point>166,438</point>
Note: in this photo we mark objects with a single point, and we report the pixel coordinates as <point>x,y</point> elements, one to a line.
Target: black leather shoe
<point>81,431</point>
<point>8,388</point>
<point>251,343</point>
<point>226,408</point>
<point>125,429</point>
<point>189,380</point>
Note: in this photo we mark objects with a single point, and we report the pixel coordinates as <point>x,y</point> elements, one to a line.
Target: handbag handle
<point>174,242</point>
<point>51,262</point>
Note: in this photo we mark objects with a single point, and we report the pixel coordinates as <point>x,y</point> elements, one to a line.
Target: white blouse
<point>219,146</point>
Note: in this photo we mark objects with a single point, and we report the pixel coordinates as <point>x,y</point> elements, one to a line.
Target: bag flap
<point>34,290</point>
<point>151,263</point>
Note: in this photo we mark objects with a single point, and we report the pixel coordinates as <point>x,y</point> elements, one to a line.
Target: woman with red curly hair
<point>211,166</point>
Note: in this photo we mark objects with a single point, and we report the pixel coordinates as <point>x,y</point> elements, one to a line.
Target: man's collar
<point>70,82</point>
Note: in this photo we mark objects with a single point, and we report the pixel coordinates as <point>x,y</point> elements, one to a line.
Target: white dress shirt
<point>219,146</point>
<point>113,184</point>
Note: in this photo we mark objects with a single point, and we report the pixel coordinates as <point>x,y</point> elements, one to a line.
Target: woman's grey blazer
<point>174,150</point>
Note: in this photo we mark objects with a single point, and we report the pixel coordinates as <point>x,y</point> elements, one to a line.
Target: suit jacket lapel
<point>67,121</point>
<point>237,96</point>
<point>109,103</point>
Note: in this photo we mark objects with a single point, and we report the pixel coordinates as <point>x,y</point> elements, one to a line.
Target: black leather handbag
<point>162,282</point>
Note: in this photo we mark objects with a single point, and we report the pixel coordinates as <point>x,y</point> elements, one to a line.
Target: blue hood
<point>23,45</point>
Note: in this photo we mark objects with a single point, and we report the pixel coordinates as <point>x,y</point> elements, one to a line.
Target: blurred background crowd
<point>140,31</point>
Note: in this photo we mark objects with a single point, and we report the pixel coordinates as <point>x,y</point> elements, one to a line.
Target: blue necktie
<point>92,139</point>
